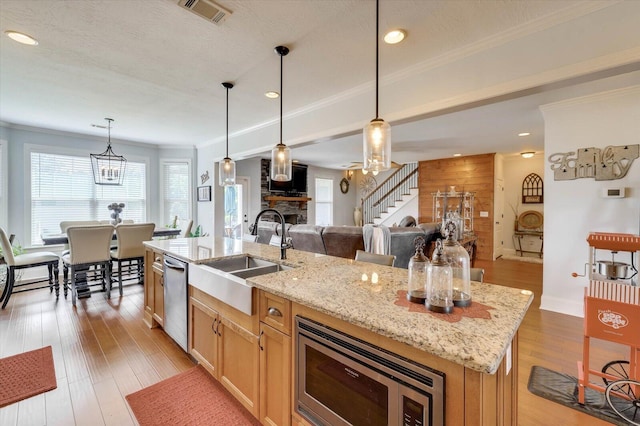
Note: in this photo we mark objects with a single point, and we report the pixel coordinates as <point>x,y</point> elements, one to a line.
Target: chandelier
<point>108,168</point>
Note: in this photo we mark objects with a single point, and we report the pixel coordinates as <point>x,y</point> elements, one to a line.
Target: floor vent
<point>206,9</point>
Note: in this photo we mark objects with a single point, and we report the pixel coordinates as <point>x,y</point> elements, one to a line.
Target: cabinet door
<point>275,377</point>
<point>238,370</point>
<point>158,296</point>
<point>149,287</point>
<point>204,323</point>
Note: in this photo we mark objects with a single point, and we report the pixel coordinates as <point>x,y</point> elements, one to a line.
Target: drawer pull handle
<point>274,312</point>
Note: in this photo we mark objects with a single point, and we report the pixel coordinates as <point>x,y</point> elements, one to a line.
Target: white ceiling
<point>468,78</point>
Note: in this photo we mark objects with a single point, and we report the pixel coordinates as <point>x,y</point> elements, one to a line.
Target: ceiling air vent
<point>206,9</point>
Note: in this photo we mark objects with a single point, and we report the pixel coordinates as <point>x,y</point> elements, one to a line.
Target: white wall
<point>343,204</point>
<point>575,208</point>
<point>515,169</point>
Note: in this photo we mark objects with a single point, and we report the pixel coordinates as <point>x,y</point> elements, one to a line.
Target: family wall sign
<point>610,163</point>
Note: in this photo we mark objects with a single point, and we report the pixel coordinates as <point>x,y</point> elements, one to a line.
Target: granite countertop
<point>370,296</point>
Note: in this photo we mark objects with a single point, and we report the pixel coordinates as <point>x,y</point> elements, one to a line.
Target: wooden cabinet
<point>275,359</point>
<point>203,335</point>
<point>153,288</point>
<point>223,340</point>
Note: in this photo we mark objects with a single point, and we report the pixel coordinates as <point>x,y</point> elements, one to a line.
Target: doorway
<point>236,208</point>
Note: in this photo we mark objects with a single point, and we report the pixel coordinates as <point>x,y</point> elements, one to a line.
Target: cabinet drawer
<point>275,311</point>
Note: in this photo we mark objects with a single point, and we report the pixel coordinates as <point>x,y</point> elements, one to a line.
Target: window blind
<point>62,188</point>
<point>176,192</point>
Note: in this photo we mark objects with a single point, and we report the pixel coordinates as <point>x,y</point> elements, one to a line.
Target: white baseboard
<point>562,306</point>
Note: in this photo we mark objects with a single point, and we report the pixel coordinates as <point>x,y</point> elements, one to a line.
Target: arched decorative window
<point>532,189</point>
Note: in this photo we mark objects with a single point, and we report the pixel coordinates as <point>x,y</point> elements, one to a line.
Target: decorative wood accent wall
<point>474,174</point>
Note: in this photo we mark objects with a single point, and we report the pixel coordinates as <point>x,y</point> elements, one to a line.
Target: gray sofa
<point>344,241</point>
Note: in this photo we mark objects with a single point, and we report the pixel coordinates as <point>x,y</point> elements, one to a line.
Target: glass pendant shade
<point>376,135</point>
<point>227,172</point>
<point>281,154</point>
<point>281,163</point>
<point>108,168</point>
<point>377,146</point>
<point>227,167</point>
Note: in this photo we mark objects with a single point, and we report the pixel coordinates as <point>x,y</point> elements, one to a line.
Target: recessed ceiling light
<point>272,95</point>
<point>457,155</point>
<point>394,36</point>
<point>524,134</point>
<point>527,154</point>
<point>22,38</point>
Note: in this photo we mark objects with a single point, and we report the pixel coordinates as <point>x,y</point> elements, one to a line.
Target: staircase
<point>398,189</point>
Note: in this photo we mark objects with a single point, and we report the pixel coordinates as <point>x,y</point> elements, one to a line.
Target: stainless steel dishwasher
<point>175,299</point>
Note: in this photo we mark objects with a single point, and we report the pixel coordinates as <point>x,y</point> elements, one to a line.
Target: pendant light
<point>377,134</point>
<point>108,168</point>
<point>227,166</point>
<point>281,154</point>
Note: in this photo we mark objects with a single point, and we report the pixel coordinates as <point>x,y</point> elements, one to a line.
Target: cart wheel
<point>619,368</point>
<point>623,396</point>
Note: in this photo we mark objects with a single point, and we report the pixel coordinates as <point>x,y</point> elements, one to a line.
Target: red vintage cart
<point>612,312</point>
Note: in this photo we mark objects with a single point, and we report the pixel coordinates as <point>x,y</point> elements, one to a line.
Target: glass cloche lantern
<point>416,292</point>
<point>439,283</point>
<point>458,259</point>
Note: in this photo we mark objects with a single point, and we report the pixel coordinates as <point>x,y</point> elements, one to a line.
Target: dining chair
<point>24,261</point>
<point>380,259</point>
<point>129,253</point>
<point>88,246</point>
<point>476,274</point>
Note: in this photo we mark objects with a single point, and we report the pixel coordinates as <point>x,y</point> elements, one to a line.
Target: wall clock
<point>368,184</point>
<point>344,185</point>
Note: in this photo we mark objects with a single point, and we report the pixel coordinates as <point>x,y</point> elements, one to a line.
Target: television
<point>297,184</point>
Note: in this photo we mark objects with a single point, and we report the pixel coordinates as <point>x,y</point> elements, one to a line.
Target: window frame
<point>319,201</point>
<point>57,150</point>
<point>191,189</point>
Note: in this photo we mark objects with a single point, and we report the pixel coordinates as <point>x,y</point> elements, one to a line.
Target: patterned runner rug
<point>26,374</point>
<point>189,398</point>
<point>563,389</point>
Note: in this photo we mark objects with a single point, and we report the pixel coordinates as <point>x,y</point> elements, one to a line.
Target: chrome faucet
<point>284,244</point>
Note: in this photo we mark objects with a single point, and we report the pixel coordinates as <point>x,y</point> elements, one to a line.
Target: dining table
<point>61,238</point>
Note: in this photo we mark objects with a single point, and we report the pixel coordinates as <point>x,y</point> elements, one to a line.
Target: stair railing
<point>388,192</point>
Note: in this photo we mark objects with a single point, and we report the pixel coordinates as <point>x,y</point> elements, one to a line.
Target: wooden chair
<point>476,274</point>
<point>129,254</point>
<point>23,261</point>
<point>88,246</point>
<point>380,259</point>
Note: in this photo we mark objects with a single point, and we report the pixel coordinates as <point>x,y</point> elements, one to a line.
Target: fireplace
<point>291,218</point>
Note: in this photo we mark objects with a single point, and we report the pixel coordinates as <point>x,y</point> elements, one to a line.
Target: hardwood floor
<point>103,351</point>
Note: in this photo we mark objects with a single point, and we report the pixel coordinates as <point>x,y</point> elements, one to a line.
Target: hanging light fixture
<point>377,134</point>
<point>281,154</point>
<point>108,168</point>
<point>227,166</point>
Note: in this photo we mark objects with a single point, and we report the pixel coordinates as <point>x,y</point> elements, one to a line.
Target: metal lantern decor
<point>227,166</point>
<point>377,133</point>
<point>439,283</point>
<point>108,168</point>
<point>281,154</point>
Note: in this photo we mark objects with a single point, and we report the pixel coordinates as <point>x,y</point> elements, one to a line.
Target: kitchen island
<point>475,349</point>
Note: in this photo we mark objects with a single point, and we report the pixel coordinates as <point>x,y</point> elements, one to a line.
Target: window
<point>324,202</point>
<point>176,190</point>
<point>62,188</point>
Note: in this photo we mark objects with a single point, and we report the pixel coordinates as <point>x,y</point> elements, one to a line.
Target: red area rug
<point>189,398</point>
<point>26,374</point>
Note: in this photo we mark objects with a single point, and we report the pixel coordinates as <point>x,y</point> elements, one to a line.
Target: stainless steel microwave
<point>341,380</point>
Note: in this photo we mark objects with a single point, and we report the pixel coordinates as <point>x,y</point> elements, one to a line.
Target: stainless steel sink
<point>225,279</point>
<point>229,264</point>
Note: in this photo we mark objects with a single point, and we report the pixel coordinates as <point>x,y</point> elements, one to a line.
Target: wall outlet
<point>484,214</point>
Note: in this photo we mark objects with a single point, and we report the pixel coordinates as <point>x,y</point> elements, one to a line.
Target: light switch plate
<point>484,214</point>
